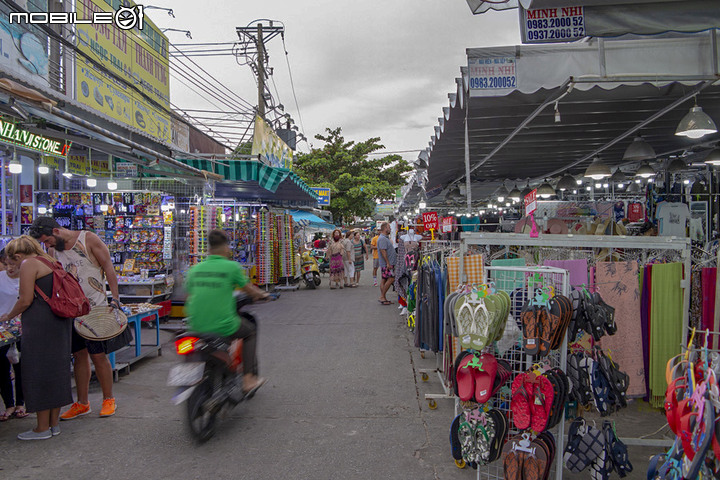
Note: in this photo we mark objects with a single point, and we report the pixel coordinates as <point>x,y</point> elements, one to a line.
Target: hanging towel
<point>709,277</point>
<point>508,281</point>
<point>617,283</point>
<point>578,270</point>
<point>666,317</point>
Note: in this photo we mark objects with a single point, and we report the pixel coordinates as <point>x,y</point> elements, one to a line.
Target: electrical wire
<point>292,85</point>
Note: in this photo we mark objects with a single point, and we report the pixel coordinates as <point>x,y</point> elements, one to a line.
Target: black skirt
<point>45,354</point>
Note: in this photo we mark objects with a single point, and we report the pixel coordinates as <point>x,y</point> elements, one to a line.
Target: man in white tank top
<point>83,254</point>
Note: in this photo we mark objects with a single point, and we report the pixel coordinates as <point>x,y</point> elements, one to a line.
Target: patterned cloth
<point>617,283</point>
<point>359,257</point>
<point>400,270</point>
<point>473,270</point>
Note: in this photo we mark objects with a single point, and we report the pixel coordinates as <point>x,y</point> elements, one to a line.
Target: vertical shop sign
<point>495,74</point>
<point>531,202</point>
<point>167,243</point>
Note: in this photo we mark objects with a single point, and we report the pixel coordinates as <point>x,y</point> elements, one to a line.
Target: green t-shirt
<point>210,304</point>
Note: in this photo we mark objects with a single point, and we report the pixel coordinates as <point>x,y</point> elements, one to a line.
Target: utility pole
<point>261,70</point>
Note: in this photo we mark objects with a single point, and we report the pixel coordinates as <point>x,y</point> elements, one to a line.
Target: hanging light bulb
<point>502,193</point>
<point>645,171</point>
<point>598,185</point>
<point>566,183</point>
<point>91,182</point>
<point>14,166</point>
<point>112,184</point>
<point>546,190</point>
<point>606,185</point>
<point>67,174</point>
<point>42,210</point>
<point>639,150</point>
<point>515,194</point>
<point>422,205</point>
<point>713,158</point>
<point>43,168</point>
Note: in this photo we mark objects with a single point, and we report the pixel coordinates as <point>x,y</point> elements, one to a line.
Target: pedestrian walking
<point>373,247</point>
<point>84,255</point>
<point>387,256</point>
<point>336,253</point>
<point>349,259</point>
<point>361,255</point>
<point>46,340</point>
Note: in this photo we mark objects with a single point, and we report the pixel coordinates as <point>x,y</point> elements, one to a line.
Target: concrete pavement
<point>344,400</point>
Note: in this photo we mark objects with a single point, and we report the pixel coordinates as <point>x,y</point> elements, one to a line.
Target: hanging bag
<point>67,299</point>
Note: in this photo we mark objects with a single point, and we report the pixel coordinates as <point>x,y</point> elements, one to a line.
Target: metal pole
<point>3,192</point>
<point>468,183</point>
<point>261,71</point>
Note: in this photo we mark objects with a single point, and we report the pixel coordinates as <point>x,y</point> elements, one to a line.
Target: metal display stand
<point>680,246</point>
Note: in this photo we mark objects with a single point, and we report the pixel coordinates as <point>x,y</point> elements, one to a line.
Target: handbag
<point>102,323</point>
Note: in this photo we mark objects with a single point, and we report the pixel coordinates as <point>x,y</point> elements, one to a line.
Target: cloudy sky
<point>376,68</point>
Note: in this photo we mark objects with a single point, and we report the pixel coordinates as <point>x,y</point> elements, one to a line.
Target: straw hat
<point>102,323</point>
<point>556,226</point>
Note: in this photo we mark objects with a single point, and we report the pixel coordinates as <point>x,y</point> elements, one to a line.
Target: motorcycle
<point>310,271</point>
<point>209,377</point>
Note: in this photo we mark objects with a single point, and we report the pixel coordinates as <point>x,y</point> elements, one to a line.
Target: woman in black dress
<point>46,341</point>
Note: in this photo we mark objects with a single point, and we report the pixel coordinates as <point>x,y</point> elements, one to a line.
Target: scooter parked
<point>310,271</point>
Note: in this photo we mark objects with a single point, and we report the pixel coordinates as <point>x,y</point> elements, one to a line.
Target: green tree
<point>356,179</point>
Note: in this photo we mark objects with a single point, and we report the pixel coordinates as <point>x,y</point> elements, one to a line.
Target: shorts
<point>376,263</point>
<point>388,272</point>
<point>93,346</point>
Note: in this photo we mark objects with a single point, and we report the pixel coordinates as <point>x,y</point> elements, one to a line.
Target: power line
<point>292,85</point>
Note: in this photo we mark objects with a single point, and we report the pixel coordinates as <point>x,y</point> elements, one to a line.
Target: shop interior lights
<point>713,157</point>
<point>598,169</point>
<point>502,193</point>
<point>42,210</point>
<point>91,182</point>
<point>696,124</point>
<point>515,194</point>
<point>645,171</point>
<point>112,184</point>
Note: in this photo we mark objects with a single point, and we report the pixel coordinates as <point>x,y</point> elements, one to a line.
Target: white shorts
<point>349,268</point>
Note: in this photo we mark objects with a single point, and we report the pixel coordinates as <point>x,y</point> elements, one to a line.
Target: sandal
<point>20,412</point>
<point>6,416</point>
<point>386,302</point>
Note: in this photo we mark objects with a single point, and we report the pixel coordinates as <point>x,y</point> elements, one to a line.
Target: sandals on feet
<point>20,412</point>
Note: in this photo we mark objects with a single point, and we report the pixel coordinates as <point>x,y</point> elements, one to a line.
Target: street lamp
<point>186,32</point>
<point>153,7</point>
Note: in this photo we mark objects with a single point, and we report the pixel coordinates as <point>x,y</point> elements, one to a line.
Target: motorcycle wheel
<point>200,420</point>
<point>316,279</point>
<point>310,284</point>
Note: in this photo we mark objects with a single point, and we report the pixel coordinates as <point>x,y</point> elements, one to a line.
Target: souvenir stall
<point>137,228</point>
<point>549,308</point>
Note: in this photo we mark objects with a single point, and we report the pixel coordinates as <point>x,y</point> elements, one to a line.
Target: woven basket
<point>102,323</point>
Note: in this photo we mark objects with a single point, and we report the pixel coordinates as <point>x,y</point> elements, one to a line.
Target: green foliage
<point>243,149</point>
<point>355,179</point>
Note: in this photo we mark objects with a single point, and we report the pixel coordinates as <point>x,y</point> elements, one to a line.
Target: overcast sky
<point>378,68</point>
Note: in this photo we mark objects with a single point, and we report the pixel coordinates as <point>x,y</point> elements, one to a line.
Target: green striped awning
<point>267,177</point>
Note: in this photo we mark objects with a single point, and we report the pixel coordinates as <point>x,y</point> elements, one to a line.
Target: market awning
<point>308,219</point>
<point>267,177</point>
<point>603,96</point>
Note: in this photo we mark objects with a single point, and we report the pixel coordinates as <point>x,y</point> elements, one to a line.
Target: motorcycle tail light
<point>185,345</point>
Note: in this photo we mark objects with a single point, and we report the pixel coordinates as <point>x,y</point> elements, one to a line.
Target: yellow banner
<point>77,164</point>
<point>272,150</point>
<point>52,162</point>
<point>100,167</point>
<point>139,57</point>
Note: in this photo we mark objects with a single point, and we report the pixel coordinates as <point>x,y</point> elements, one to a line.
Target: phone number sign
<point>544,25</point>
<point>492,73</point>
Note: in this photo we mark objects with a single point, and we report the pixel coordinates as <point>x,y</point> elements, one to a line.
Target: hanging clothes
<point>666,316</point>
<point>617,283</point>
<point>645,288</point>
<point>402,275</point>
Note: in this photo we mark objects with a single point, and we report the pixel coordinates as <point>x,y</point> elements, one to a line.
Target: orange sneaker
<point>76,410</point>
<point>108,407</point>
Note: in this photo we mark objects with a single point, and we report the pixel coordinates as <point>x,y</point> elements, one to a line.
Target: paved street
<point>343,401</point>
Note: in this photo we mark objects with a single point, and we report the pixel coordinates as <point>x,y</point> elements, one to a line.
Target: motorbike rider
<point>212,308</point>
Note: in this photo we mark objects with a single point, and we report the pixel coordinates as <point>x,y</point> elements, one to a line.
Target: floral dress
<point>336,251</point>
<point>359,257</point>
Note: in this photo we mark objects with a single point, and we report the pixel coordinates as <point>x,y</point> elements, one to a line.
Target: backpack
<point>67,299</point>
